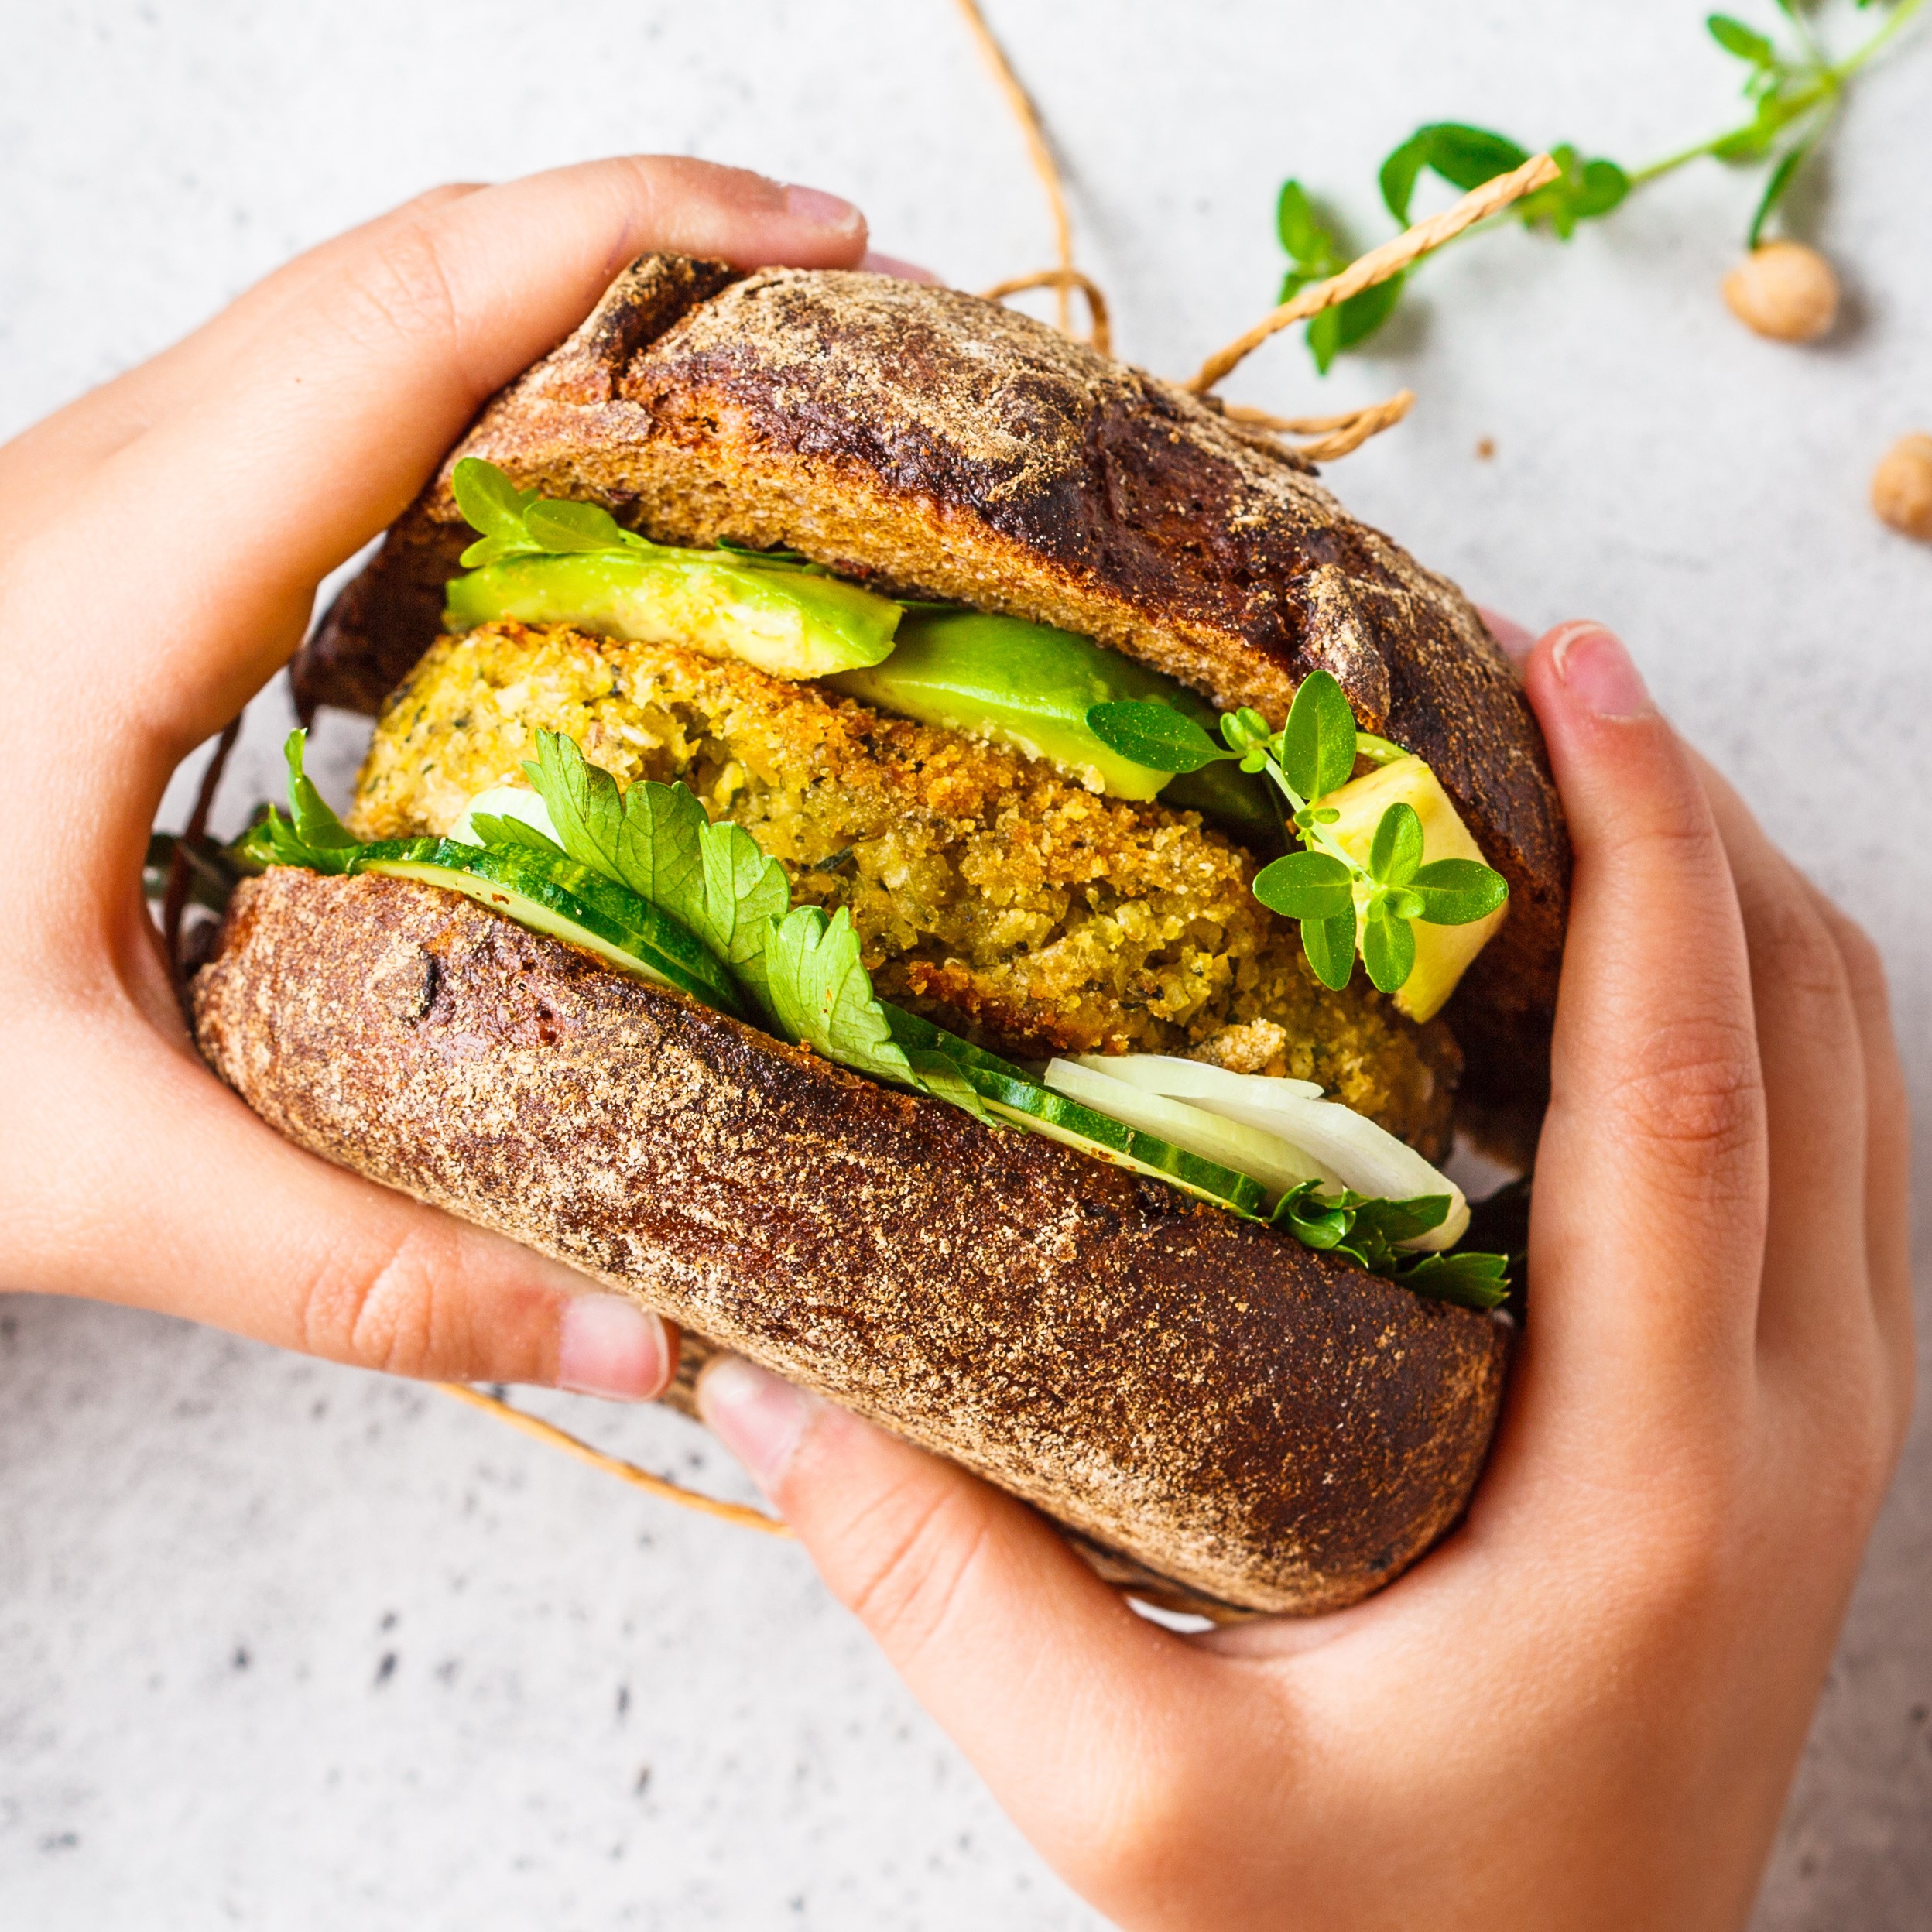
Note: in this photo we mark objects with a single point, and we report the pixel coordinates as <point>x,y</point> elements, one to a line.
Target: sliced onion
<point>1247,1149</point>
<point>1325,1137</point>
<point>504,801</point>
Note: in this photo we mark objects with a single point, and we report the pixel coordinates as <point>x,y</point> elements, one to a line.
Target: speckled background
<point>283,1646</point>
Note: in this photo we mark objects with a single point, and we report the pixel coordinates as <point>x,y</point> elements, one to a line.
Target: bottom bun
<point>1227,1419</point>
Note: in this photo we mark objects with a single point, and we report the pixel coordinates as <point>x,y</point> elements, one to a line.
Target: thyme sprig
<point>1336,899</point>
<point>1795,91</point>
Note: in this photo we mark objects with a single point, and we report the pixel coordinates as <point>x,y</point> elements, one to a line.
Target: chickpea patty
<point>990,892</point>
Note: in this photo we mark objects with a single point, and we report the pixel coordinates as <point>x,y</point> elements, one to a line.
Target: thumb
<point>1039,1671</point>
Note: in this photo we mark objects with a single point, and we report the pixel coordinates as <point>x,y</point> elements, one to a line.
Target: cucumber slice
<point>1040,1111</point>
<point>557,897</point>
<point>1277,1164</point>
<point>909,1029</point>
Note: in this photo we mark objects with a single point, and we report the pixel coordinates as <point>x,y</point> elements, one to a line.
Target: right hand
<point>1584,1709</point>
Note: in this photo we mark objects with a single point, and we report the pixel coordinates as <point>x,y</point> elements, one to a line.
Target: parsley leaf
<point>803,971</point>
<point>1369,1232</point>
<point>495,830</point>
<point>821,995</point>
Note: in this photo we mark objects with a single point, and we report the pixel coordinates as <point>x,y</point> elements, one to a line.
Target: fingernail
<point>760,1418</point>
<point>1597,671</point>
<point>818,210</point>
<point>611,1347</point>
<point>877,264</point>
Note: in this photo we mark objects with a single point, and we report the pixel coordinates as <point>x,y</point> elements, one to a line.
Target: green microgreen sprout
<point>514,523</point>
<point>1795,93</point>
<point>1369,1232</point>
<point>1338,902</point>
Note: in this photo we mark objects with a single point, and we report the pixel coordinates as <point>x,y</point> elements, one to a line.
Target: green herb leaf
<point>494,506</point>
<point>1311,243</point>
<point>1369,1232</point>
<point>1353,321</point>
<point>1318,750</point>
<point>559,528</point>
<point>1470,1280</point>
<point>1154,736</point>
<point>1583,190</point>
<point>1395,856</point>
<point>744,892</point>
<point>1330,944</point>
<point>1395,1221</point>
<point>1459,892</point>
<point>327,843</point>
<point>1463,156</point>
<point>821,996</point>
<point>1388,950</point>
<point>660,849</point>
<point>939,1075</point>
<point>1734,37</point>
<point>1307,885</point>
<point>1781,177</point>
<point>1314,1220</point>
<point>496,830</point>
<point>584,805</point>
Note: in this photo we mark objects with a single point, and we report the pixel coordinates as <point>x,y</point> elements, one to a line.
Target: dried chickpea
<point>1902,487</point>
<point>1784,290</point>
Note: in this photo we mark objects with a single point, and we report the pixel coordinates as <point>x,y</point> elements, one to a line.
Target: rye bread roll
<point>1226,1420</point>
<point>1255,1426</point>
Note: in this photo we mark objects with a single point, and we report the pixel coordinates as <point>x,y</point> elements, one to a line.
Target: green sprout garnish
<point>1794,94</point>
<point>1335,900</point>
<point>516,523</point>
<point>1369,1233</point>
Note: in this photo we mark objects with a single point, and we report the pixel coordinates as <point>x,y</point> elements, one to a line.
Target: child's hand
<point>164,539</point>
<point>1583,1710</point>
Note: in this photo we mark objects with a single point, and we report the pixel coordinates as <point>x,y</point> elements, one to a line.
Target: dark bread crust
<point>942,444</point>
<point>1258,1424</point>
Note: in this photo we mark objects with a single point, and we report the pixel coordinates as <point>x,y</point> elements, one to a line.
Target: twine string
<point>1378,264</point>
<point>174,900</point>
<point>1040,153</point>
<point>542,1431</point>
<point>1100,328</point>
<point>1334,435</point>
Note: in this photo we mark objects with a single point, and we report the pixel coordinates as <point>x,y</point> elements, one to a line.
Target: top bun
<point>936,444</point>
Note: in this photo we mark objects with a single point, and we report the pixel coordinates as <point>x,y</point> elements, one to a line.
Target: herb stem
<point>1824,90</point>
<point>1312,834</point>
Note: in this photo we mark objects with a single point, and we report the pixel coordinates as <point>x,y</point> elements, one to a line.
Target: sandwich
<point>943,864</point>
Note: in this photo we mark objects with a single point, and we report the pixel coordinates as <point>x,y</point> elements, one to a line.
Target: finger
<point>161,1206</point>
<point>897,266</point>
<point>984,1610</point>
<point>1646,1235</point>
<point>1888,1151</point>
<point>1815,1108</point>
<point>40,467</point>
<point>1515,639</point>
<point>326,425</point>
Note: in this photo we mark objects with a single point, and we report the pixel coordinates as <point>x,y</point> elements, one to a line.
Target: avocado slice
<point>1030,687</point>
<point>564,900</point>
<point>792,622</point>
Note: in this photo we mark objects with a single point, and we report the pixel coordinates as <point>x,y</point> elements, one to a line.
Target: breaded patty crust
<point>989,891</point>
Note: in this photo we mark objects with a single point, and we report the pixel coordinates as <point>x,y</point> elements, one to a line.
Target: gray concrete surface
<point>283,1646</point>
